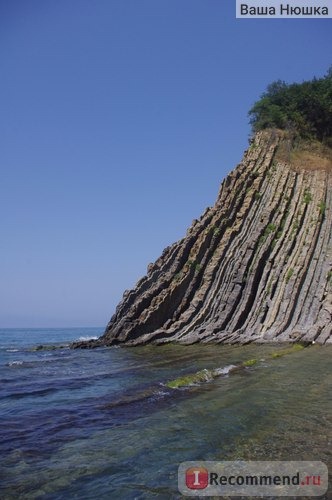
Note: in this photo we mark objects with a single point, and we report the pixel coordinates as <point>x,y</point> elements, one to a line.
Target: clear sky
<point>119,119</point>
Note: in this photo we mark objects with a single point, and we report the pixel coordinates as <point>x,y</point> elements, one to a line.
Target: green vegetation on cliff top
<point>303,108</point>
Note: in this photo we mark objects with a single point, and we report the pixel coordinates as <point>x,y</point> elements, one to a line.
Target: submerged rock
<point>201,376</point>
<point>47,347</point>
<point>208,375</point>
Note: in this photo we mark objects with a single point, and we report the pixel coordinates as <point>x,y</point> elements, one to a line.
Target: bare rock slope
<point>256,267</point>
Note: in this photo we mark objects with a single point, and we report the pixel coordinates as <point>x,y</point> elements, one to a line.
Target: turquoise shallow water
<point>102,424</point>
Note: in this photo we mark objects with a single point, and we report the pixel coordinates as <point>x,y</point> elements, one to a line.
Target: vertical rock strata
<point>256,267</point>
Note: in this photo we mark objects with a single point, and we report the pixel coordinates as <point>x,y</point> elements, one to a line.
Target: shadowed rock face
<point>255,267</point>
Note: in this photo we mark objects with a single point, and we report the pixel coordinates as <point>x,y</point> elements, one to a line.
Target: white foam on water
<point>224,371</point>
<point>15,363</point>
<point>83,339</point>
<point>159,395</point>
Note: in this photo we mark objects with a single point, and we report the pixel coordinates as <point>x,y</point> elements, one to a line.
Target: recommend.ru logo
<point>279,478</point>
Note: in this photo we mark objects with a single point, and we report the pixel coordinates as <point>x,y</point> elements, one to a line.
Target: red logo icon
<point>197,478</point>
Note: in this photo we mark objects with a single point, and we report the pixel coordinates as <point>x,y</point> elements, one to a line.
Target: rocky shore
<point>256,267</point>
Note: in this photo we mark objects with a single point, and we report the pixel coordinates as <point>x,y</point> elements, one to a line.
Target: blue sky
<point>119,119</point>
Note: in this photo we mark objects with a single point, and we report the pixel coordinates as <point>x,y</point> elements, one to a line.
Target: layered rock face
<point>256,267</point>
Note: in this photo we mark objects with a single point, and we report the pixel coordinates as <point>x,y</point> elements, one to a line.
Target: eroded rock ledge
<point>256,267</point>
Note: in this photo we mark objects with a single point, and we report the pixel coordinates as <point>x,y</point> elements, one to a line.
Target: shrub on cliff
<point>304,108</point>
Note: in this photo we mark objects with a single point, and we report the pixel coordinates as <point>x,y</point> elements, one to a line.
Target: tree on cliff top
<point>304,108</point>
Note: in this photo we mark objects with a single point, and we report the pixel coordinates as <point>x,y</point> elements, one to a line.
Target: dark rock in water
<point>256,267</point>
<point>47,347</point>
<point>87,344</point>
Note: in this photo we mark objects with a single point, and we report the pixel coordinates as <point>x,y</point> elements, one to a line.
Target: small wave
<point>159,394</point>
<point>15,363</point>
<point>225,370</point>
<point>84,339</point>
<point>31,393</point>
<point>29,364</point>
<point>12,350</point>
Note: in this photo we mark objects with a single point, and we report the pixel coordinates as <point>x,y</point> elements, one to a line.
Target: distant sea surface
<point>102,424</point>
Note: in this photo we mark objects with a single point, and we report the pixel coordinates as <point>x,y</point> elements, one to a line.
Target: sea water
<point>102,423</point>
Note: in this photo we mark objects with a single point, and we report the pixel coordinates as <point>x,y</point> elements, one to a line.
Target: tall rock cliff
<point>256,267</point>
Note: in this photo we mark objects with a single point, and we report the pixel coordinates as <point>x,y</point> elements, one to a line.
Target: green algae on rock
<point>290,350</point>
<point>200,377</point>
<point>250,362</point>
<point>208,375</point>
